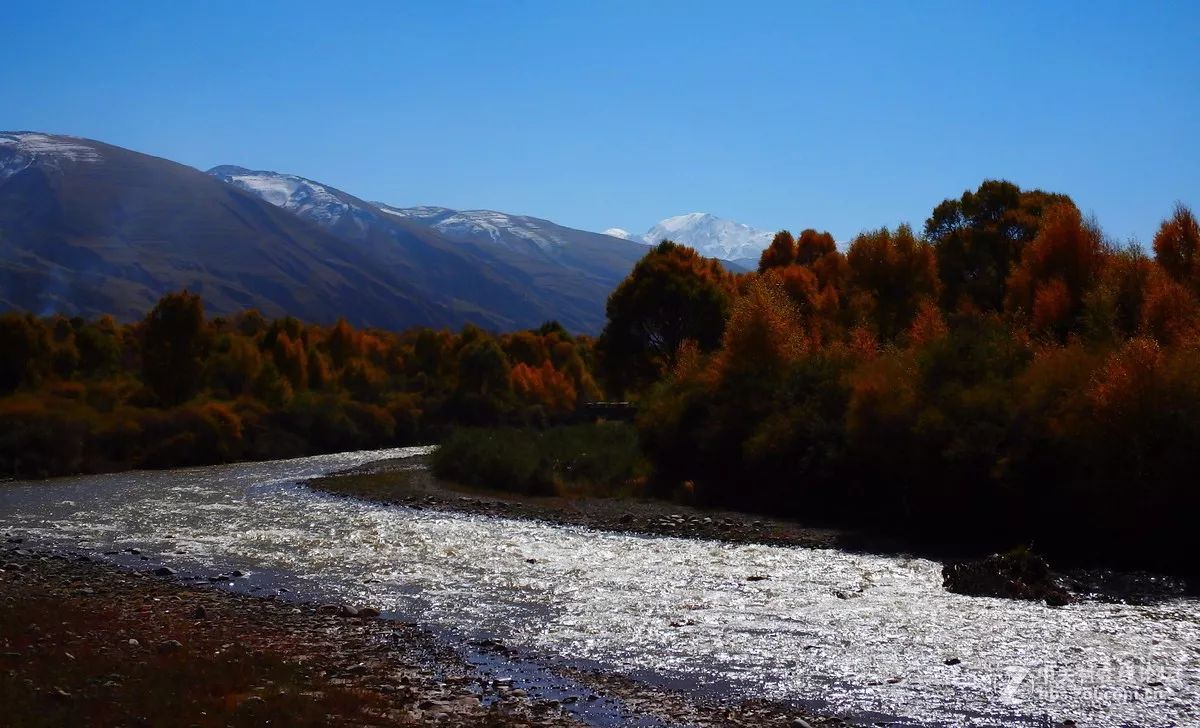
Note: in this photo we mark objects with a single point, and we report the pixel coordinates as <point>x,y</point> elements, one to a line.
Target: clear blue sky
<point>840,116</point>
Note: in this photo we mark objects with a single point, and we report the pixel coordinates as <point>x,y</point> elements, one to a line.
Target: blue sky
<point>841,116</point>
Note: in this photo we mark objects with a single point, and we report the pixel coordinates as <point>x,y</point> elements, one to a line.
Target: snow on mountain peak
<point>300,195</point>
<point>619,233</point>
<point>711,236</point>
<point>510,231</point>
<point>28,147</point>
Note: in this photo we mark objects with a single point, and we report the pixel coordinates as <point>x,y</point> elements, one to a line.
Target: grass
<point>597,459</point>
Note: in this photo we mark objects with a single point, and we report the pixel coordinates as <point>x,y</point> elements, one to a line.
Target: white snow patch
<point>302,196</point>
<point>29,147</point>
<point>506,230</point>
<point>515,232</point>
<point>619,233</point>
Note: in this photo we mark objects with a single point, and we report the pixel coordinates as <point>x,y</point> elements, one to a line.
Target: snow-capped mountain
<point>504,270</point>
<point>711,236</point>
<point>89,228</point>
<point>23,149</point>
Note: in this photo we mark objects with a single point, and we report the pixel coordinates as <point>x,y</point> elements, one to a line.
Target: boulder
<point>1017,574</point>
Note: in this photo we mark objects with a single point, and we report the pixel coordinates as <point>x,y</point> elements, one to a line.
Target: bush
<point>598,457</point>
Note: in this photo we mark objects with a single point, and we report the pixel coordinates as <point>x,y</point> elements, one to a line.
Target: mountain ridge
<point>560,273</point>
<point>88,228</point>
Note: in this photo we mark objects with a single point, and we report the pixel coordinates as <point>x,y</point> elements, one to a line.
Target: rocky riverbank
<point>86,643</point>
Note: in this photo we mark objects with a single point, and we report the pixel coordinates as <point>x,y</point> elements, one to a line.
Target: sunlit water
<point>614,599</point>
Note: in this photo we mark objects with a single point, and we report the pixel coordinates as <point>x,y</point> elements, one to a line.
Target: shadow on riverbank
<point>408,482</point>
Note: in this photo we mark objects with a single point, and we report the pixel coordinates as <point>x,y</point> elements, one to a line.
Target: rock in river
<point>1017,574</point>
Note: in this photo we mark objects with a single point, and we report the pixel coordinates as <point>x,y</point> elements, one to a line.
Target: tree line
<point>180,388</point>
<point>1010,375</point>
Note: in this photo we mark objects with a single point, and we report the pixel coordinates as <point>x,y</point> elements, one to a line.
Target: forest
<point>1006,375</point>
<point>178,388</point>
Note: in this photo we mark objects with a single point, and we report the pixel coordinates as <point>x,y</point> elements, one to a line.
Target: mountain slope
<point>89,228</point>
<point>578,258</point>
<point>522,270</point>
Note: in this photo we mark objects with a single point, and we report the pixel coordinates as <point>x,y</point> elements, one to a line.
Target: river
<point>856,633</point>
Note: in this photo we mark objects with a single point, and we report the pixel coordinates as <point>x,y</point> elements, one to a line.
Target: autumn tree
<point>1055,271</point>
<point>175,340</point>
<point>764,334</point>
<point>544,386</point>
<point>1170,312</point>
<point>1177,247</point>
<point>891,273</point>
<point>812,246</point>
<point>672,295</point>
<point>781,252</point>
<point>1112,308</point>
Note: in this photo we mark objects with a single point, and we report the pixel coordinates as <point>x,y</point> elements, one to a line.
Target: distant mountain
<point>711,236</point>
<point>89,228</point>
<point>585,264</point>
<point>522,270</point>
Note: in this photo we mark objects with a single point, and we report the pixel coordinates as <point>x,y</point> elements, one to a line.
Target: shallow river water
<point>858,633</point>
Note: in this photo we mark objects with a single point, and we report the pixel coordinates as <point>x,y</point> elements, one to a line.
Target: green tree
<point>175,342</point>
<point>20,343</point>
<point>483,368</point>
<point>979,238</point>
<point>672,295</point>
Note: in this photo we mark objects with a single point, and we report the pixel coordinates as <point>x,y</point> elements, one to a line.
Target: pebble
<point>164,571</point>
<point>169,647</point>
